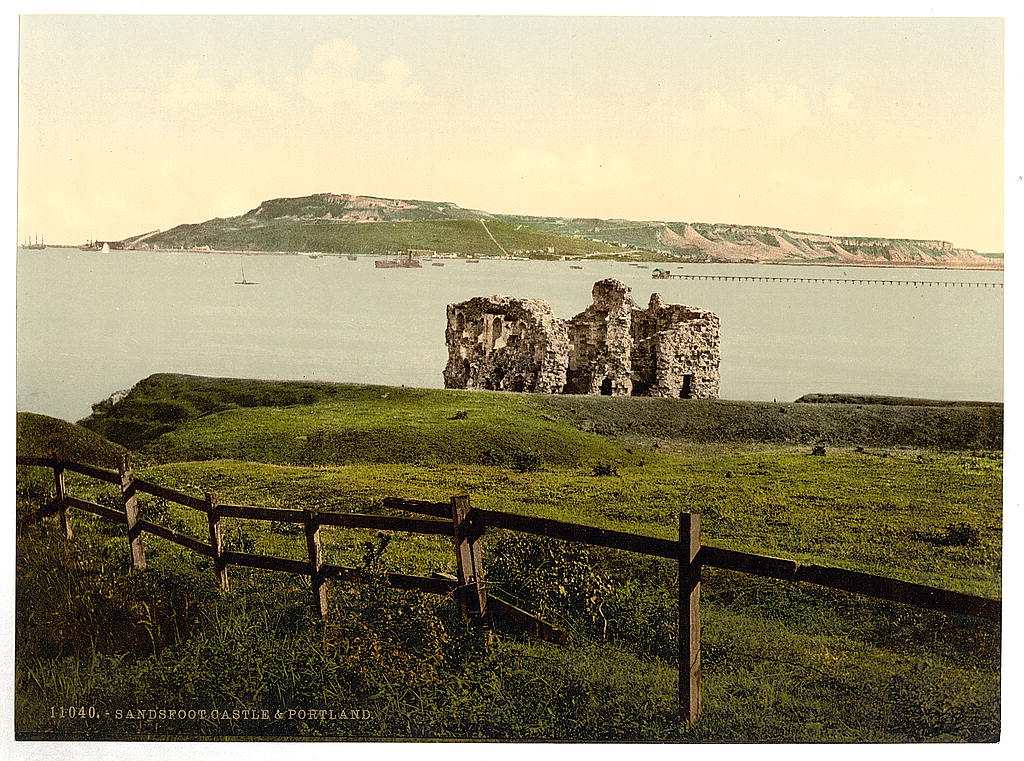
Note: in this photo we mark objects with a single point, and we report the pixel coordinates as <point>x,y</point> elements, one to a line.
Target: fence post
<point>60,495</point>
<point>689,618</point>
<point>469,560</point>
<point>316,560</point>
<point>131,512</point>
<point>220,568</point>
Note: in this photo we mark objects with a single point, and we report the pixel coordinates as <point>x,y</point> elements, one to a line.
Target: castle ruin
<point>613,347</point>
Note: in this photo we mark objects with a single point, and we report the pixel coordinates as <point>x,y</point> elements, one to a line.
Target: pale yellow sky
<point>887,127</point>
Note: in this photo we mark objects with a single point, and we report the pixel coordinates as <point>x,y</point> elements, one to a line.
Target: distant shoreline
<point>621,257</point>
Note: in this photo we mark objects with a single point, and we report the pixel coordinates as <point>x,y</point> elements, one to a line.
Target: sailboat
<point>243,281</point>
<point>36,245</point>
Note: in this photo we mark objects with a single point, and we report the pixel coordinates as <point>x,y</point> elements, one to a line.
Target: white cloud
<point>781,113</point>
<point>330,80</point>
<point>765,110</point>
<point>189,86</point>
<point>718,112</point>
<point>789,112</point>
<point>839,102</point>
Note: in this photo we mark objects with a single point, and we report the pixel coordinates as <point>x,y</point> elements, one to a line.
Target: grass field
<point>782,662</point>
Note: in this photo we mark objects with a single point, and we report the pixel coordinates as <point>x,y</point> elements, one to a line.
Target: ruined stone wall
<point>499,343</point>
<point>675,351</point>
<point>613,347</point>
<point>602,343</point>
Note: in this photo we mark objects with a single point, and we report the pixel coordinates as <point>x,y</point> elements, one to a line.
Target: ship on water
<point>403,261</point>
<point>37,244</point>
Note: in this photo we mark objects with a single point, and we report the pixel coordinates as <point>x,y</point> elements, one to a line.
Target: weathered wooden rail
<point>467,525</point>
<point>663,275</point>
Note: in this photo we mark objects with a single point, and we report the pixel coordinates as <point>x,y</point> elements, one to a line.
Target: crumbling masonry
<point>613,347</point>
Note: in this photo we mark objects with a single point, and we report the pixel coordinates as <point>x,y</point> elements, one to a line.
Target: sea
<point>90,323</point>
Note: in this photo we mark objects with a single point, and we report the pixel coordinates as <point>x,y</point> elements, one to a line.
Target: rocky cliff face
<point>743,243</point>
<point>613,347</point>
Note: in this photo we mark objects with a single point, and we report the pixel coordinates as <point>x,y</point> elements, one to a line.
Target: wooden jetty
<point>666,275</point>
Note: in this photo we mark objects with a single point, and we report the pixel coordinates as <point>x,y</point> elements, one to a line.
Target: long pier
<point>844,281</point>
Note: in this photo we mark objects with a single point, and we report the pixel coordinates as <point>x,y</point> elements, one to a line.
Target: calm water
<point>90,323</point>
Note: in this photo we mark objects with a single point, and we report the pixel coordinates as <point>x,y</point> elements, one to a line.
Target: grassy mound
<point>181,417</point>
<point>899,401</point>
<point>175,418</point>
<point>651,420</point>
<point>162,402</point>
<point>41,436</point>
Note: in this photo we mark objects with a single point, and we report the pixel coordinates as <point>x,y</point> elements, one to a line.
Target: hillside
<point>341,223</point>
<point>722,242</point>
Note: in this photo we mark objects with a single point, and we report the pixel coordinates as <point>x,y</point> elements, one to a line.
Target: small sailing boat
<point>38,244</point>
<point>243,281</point>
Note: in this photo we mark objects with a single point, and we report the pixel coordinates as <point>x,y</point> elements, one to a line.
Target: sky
<point>886,127</point>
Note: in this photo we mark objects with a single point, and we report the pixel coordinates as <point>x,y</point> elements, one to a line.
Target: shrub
<point>526,461</point>
<point>960,535</point>
<point>605,469</point>
<point>551,578</point>
<point>521,460</point>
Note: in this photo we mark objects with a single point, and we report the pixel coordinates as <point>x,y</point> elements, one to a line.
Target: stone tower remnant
<point>500,343</point>
<point>613,347</point>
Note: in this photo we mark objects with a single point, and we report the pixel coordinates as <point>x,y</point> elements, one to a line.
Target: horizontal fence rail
<point>103,474</point>
<point>574,532</point>
<point>466,525</point>
<point>170,495</point>
<point>421,506</point>
<point>92,507</point>
<point>865,584</point>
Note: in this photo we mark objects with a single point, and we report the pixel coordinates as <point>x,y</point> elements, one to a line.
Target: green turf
<point>782,661</point>
<point>267,419</point>
<point>41,436</point>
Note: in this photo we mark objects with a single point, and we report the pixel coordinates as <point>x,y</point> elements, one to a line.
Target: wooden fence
<point>467,525</point>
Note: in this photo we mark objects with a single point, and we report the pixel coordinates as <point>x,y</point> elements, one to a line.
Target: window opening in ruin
<point>606,387</point>
<point>498,326</point>
<point>687,390</point>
